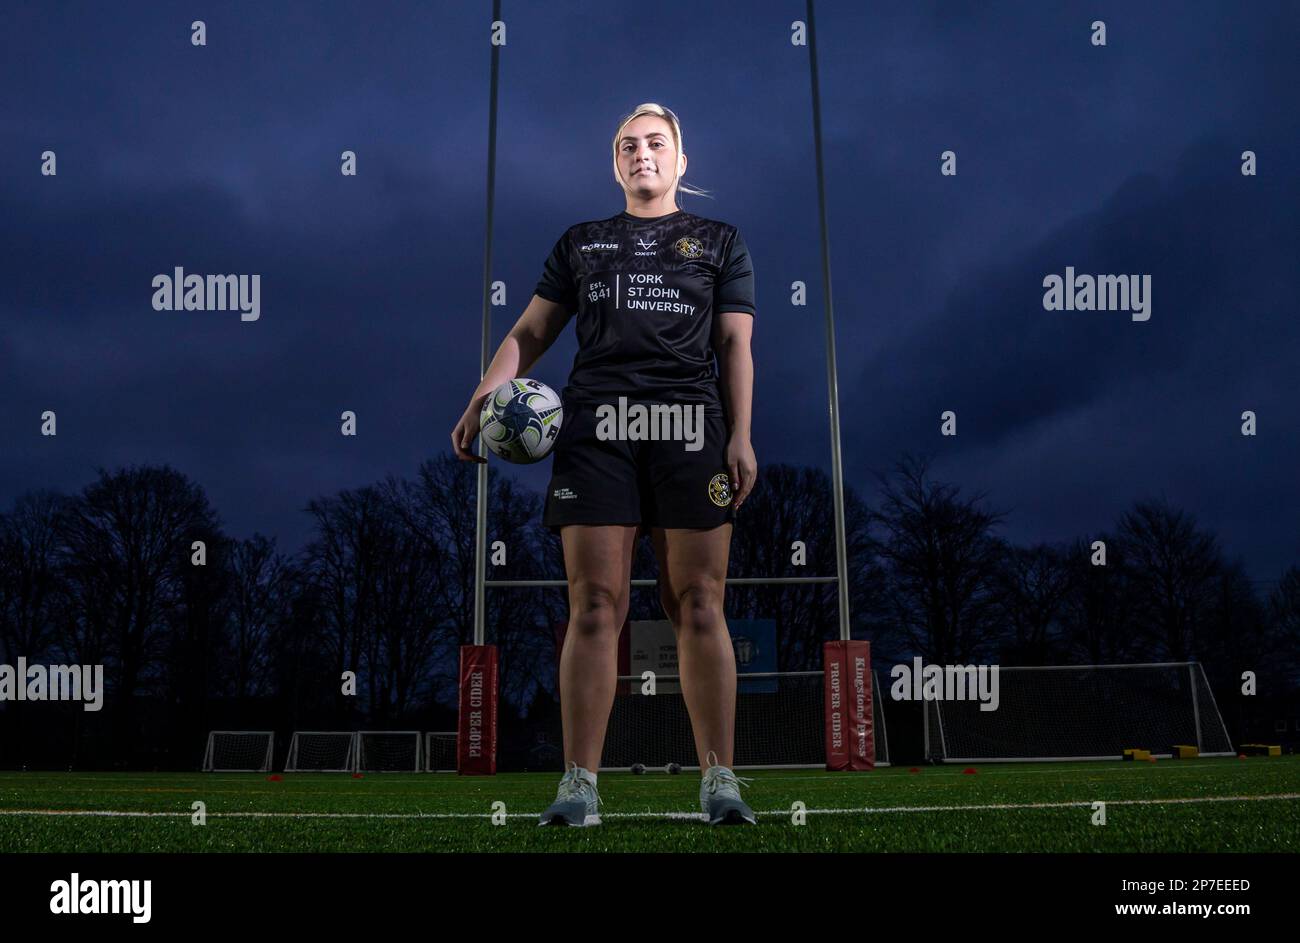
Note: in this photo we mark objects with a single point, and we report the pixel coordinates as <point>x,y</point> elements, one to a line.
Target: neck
<point>658,206</point>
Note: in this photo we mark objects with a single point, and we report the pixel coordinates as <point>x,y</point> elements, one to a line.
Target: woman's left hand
<point>742,466</point>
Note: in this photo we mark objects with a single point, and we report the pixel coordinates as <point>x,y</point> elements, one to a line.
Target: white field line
<point>886,810</point>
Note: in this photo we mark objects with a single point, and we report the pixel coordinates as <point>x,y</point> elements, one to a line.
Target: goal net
<point>440,751</point>
<point>322,751</point>
<point>389,751</point>
<point>1089,712</point>
<point>780,722</point>
<point>239,751</point>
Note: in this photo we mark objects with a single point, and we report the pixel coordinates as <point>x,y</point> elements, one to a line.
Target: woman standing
<point>658,292</point>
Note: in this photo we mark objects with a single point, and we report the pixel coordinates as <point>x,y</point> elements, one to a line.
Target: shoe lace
<point>573,786</point>
<point>718,776</point>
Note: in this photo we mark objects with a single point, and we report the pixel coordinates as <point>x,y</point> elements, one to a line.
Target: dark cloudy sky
<point>224,159</point>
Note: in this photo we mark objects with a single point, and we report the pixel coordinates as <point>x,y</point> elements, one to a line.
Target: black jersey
<point>645,291</point>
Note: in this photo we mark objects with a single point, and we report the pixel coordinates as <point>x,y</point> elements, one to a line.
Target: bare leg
<point>693,571</point>
<point>598,561</point>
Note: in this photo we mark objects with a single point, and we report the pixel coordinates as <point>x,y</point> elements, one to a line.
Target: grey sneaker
<point>720,796</point>
<point>576,801</point>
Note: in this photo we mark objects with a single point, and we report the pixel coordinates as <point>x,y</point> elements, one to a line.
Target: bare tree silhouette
<point>941,563</point>
<point>1033,589</point>
<point>30,601</point>
<point>262,581</point>
<point>31,598</point>
<point>125,561</point>
<point>385,588</point>
<point>1283,606</point>
<point>438,510</point>
<point>379,572</point>
<point>1173,567</point>
<point>1097,619</point>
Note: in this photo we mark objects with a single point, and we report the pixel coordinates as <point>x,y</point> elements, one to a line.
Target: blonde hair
<point>659,111</point>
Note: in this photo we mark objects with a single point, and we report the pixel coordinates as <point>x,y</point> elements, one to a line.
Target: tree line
<point>200,630</point>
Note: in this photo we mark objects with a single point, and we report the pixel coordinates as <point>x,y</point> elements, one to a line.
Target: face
<point>647,158</point>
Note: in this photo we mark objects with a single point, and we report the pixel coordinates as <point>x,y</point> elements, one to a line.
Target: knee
<point>697,606</point>
<point>595,609</point>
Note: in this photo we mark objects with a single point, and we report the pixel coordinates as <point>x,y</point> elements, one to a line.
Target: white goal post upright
<point>239,751</point>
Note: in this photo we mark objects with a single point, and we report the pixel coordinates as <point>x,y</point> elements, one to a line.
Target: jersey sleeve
<point>559,283</point>
<point>734,289</point>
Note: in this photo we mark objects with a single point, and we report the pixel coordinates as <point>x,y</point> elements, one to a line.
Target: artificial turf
<point>935,809</point>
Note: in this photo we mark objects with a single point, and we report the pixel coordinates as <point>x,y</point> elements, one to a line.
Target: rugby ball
<point>521,420</point>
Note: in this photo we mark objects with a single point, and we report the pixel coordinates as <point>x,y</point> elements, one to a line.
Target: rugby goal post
<point>239,751</point>
<point>1081,712</point>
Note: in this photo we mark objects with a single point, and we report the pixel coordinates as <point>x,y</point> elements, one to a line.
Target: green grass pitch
<point>1214,804</point>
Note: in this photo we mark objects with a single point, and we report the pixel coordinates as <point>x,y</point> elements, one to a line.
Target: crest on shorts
<point>720,490</point>
<point>689,247</point>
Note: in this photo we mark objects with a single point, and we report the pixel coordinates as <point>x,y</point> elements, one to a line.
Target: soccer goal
<point>440,751</point>
<point>322,751</point>
<point>390,751</point>
<point>239,751</point>
<point>780,723</point>
<point>1082,712</point>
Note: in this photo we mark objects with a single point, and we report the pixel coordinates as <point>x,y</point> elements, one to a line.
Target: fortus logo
<point>656,422</point>
<point>946,683</point>
<point>76,896</point>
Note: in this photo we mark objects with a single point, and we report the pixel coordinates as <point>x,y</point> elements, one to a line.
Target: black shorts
<point>599,478</point>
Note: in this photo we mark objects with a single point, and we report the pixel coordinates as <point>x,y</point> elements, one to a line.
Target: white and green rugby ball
<point>521,420</point>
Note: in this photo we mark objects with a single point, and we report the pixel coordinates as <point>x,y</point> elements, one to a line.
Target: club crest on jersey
<point>688,247</point>
<point>720,490</point>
